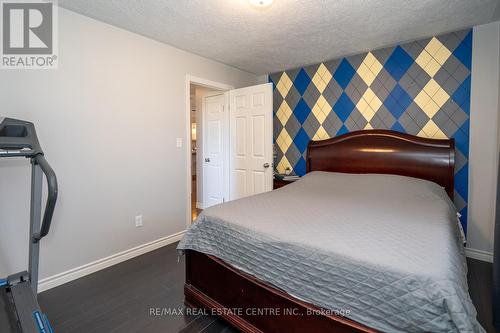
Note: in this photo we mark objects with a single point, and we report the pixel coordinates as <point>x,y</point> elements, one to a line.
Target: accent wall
<point>420,88</point>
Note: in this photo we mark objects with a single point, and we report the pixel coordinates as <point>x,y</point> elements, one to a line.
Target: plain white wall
<point>108,120</point>
<point>484,122</point>
<point>263,79</point>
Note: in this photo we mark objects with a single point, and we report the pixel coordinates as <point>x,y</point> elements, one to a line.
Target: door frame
<point>191,79</point>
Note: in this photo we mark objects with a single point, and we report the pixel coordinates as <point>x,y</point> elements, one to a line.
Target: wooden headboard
<point>386,152</point>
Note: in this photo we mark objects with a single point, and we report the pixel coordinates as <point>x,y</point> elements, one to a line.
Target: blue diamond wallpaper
<point>421,88</point>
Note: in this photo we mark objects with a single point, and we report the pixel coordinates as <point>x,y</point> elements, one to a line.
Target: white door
<point>251,141</point>
<point>215,150</point>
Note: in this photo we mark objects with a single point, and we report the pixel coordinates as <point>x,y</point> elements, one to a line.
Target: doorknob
<point>207,160</point>
<point>266,165</point>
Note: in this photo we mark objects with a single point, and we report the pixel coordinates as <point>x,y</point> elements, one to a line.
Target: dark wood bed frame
<point>222,289</point>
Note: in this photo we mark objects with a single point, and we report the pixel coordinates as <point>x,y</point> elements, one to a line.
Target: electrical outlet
<point>179,142</point>
<point>138,221</point>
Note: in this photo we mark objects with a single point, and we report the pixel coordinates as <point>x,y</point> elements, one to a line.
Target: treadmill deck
<point>8,323</point>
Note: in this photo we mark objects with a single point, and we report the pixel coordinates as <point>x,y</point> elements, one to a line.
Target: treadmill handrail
<point>52,188</point>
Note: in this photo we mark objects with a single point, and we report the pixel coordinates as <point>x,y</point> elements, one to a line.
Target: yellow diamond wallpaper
<point>421,88</point>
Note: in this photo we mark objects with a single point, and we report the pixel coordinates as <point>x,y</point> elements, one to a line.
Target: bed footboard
<point>252,305</point>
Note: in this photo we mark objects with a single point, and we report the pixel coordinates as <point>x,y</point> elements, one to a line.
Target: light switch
<point>179,142</point>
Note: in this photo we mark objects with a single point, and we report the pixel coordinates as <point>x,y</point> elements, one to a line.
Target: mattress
<point>383,249</point>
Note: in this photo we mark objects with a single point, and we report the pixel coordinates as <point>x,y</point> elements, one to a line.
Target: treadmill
<point>19,309</point>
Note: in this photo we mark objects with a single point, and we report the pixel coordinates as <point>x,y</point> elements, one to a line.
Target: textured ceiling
<point>290,33</point>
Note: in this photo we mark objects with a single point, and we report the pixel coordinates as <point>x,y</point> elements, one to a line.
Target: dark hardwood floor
<point>120,298</point>
<point>480,278</point>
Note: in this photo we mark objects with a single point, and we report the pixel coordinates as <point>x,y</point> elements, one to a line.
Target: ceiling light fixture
<point>261,3</point>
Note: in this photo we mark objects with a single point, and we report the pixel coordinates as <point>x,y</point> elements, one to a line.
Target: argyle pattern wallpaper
<point>421,88</point>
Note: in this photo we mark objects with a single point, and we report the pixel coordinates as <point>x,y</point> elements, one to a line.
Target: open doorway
<point>197,94</point>
<point>229,136</point>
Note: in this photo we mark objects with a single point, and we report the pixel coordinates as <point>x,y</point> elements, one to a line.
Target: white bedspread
<point>385,248</point>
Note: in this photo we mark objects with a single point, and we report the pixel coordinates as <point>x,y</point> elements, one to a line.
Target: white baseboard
<point>479,255</point>
<point>199,205</point>
<point>78,272</point>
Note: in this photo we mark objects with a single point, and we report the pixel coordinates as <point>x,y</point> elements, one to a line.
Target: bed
<point>367,241</point>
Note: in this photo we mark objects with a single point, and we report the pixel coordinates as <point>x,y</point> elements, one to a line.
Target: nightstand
<point>277,183</point>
